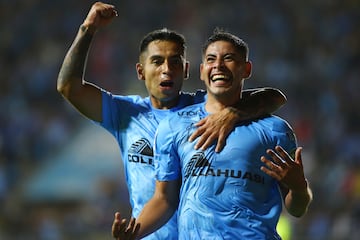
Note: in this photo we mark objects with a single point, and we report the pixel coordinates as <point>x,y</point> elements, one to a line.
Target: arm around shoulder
<point>261,101</point>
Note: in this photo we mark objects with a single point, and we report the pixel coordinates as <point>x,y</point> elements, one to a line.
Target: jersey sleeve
<point>117,111</point>
<point>110,116</point>
<point>166,159</point>
<point>286,137</point>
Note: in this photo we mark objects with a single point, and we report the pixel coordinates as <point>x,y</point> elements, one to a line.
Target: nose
<point>166,67</point>
<point>219,63</point>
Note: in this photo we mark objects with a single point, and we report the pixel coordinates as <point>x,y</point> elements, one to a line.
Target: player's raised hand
<point>285,169</point>
<point>99,15</point>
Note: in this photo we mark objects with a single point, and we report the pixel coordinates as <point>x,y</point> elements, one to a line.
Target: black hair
<point>162,34</point>
<point>223,35</point>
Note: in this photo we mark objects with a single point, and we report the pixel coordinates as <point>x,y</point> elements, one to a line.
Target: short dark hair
<point>163,34</point>
<point>223,35</point>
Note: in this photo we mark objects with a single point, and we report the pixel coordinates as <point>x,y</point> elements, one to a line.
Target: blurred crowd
<point>308,49</point>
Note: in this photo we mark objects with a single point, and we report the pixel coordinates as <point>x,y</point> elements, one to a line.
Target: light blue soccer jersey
<point>223,195</point>
<point>133,122</point>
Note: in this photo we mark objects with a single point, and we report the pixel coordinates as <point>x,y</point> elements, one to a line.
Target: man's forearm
<point>154,215</point>
<point>258,102</point>
<point>74,63</point>
<point>159,209</point>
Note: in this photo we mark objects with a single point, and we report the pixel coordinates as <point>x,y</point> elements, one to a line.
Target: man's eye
<point>228,58</point>
<point>157,62</point>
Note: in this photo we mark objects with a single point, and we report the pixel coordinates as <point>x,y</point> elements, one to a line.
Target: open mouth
<point>167,84</point>
<point>219,77</point>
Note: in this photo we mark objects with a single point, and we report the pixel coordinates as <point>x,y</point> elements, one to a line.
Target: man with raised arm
<point>237,193</point>
<point>133,120</point>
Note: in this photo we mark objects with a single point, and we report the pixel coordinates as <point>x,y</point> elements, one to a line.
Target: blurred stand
<point>55,176</point>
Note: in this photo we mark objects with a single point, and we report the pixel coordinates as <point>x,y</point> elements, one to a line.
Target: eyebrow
<point>156,56</point>
<point>226,54</point>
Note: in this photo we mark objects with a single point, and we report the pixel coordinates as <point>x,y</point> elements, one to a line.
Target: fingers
<point>105,10</point>
<point>115,229</point>
<point>123,231</point>
<point>279,165</point>
<point>99,15</point>
<point>205,134</point>
<point>271,169</point>
<point>284,168</point>
<point>298,158</point>
<point>131,225</point>
<point>277,158</point>
<point>136,230</point>
<point>108,11</point>
<point>207,138</point>
<point>212,129</point>
<point>200,122</point>
<point>220,143</point>
<point>198,131</point>
<point>284,155</point>
<point>118,226</point>
<point>132,229</point>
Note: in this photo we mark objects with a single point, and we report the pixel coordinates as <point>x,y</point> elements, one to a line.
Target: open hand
<point>285,169</point>
<point>123,231</point>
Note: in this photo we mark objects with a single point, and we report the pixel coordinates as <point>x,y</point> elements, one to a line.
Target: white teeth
<point>219,77</point>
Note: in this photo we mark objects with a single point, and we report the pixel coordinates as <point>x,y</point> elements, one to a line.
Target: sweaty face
<point>163,68</point>
<point>223,71</point>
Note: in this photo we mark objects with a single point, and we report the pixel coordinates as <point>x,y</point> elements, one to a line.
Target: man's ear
<point>201,74</point>
<point>140,71</point>
<point>187,70</point>
<point>248,70</point>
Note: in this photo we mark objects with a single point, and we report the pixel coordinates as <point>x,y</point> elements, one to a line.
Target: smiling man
<point>237,193</point>
<point>133,119</point>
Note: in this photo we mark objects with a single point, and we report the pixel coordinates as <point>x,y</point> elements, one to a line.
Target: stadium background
<point>60,176</point>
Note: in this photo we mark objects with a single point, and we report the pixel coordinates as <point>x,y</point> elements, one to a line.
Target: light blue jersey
<point>223,195</point>
<point>133,122</point>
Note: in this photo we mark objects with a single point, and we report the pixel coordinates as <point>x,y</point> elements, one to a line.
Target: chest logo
<point>141,152</point>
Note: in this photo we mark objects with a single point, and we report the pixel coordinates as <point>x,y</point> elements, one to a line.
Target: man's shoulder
<point>183,116</point>
<point>198,92</point>
<point>189,98</point>
<point>277,123</point>
<point>126,99</point>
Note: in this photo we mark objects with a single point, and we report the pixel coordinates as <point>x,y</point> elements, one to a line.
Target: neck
<point>164,104</point>
<point>215,104</point>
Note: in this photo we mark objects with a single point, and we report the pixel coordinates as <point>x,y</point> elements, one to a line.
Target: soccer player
<point>237,193</point>
<point>133,120</point>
